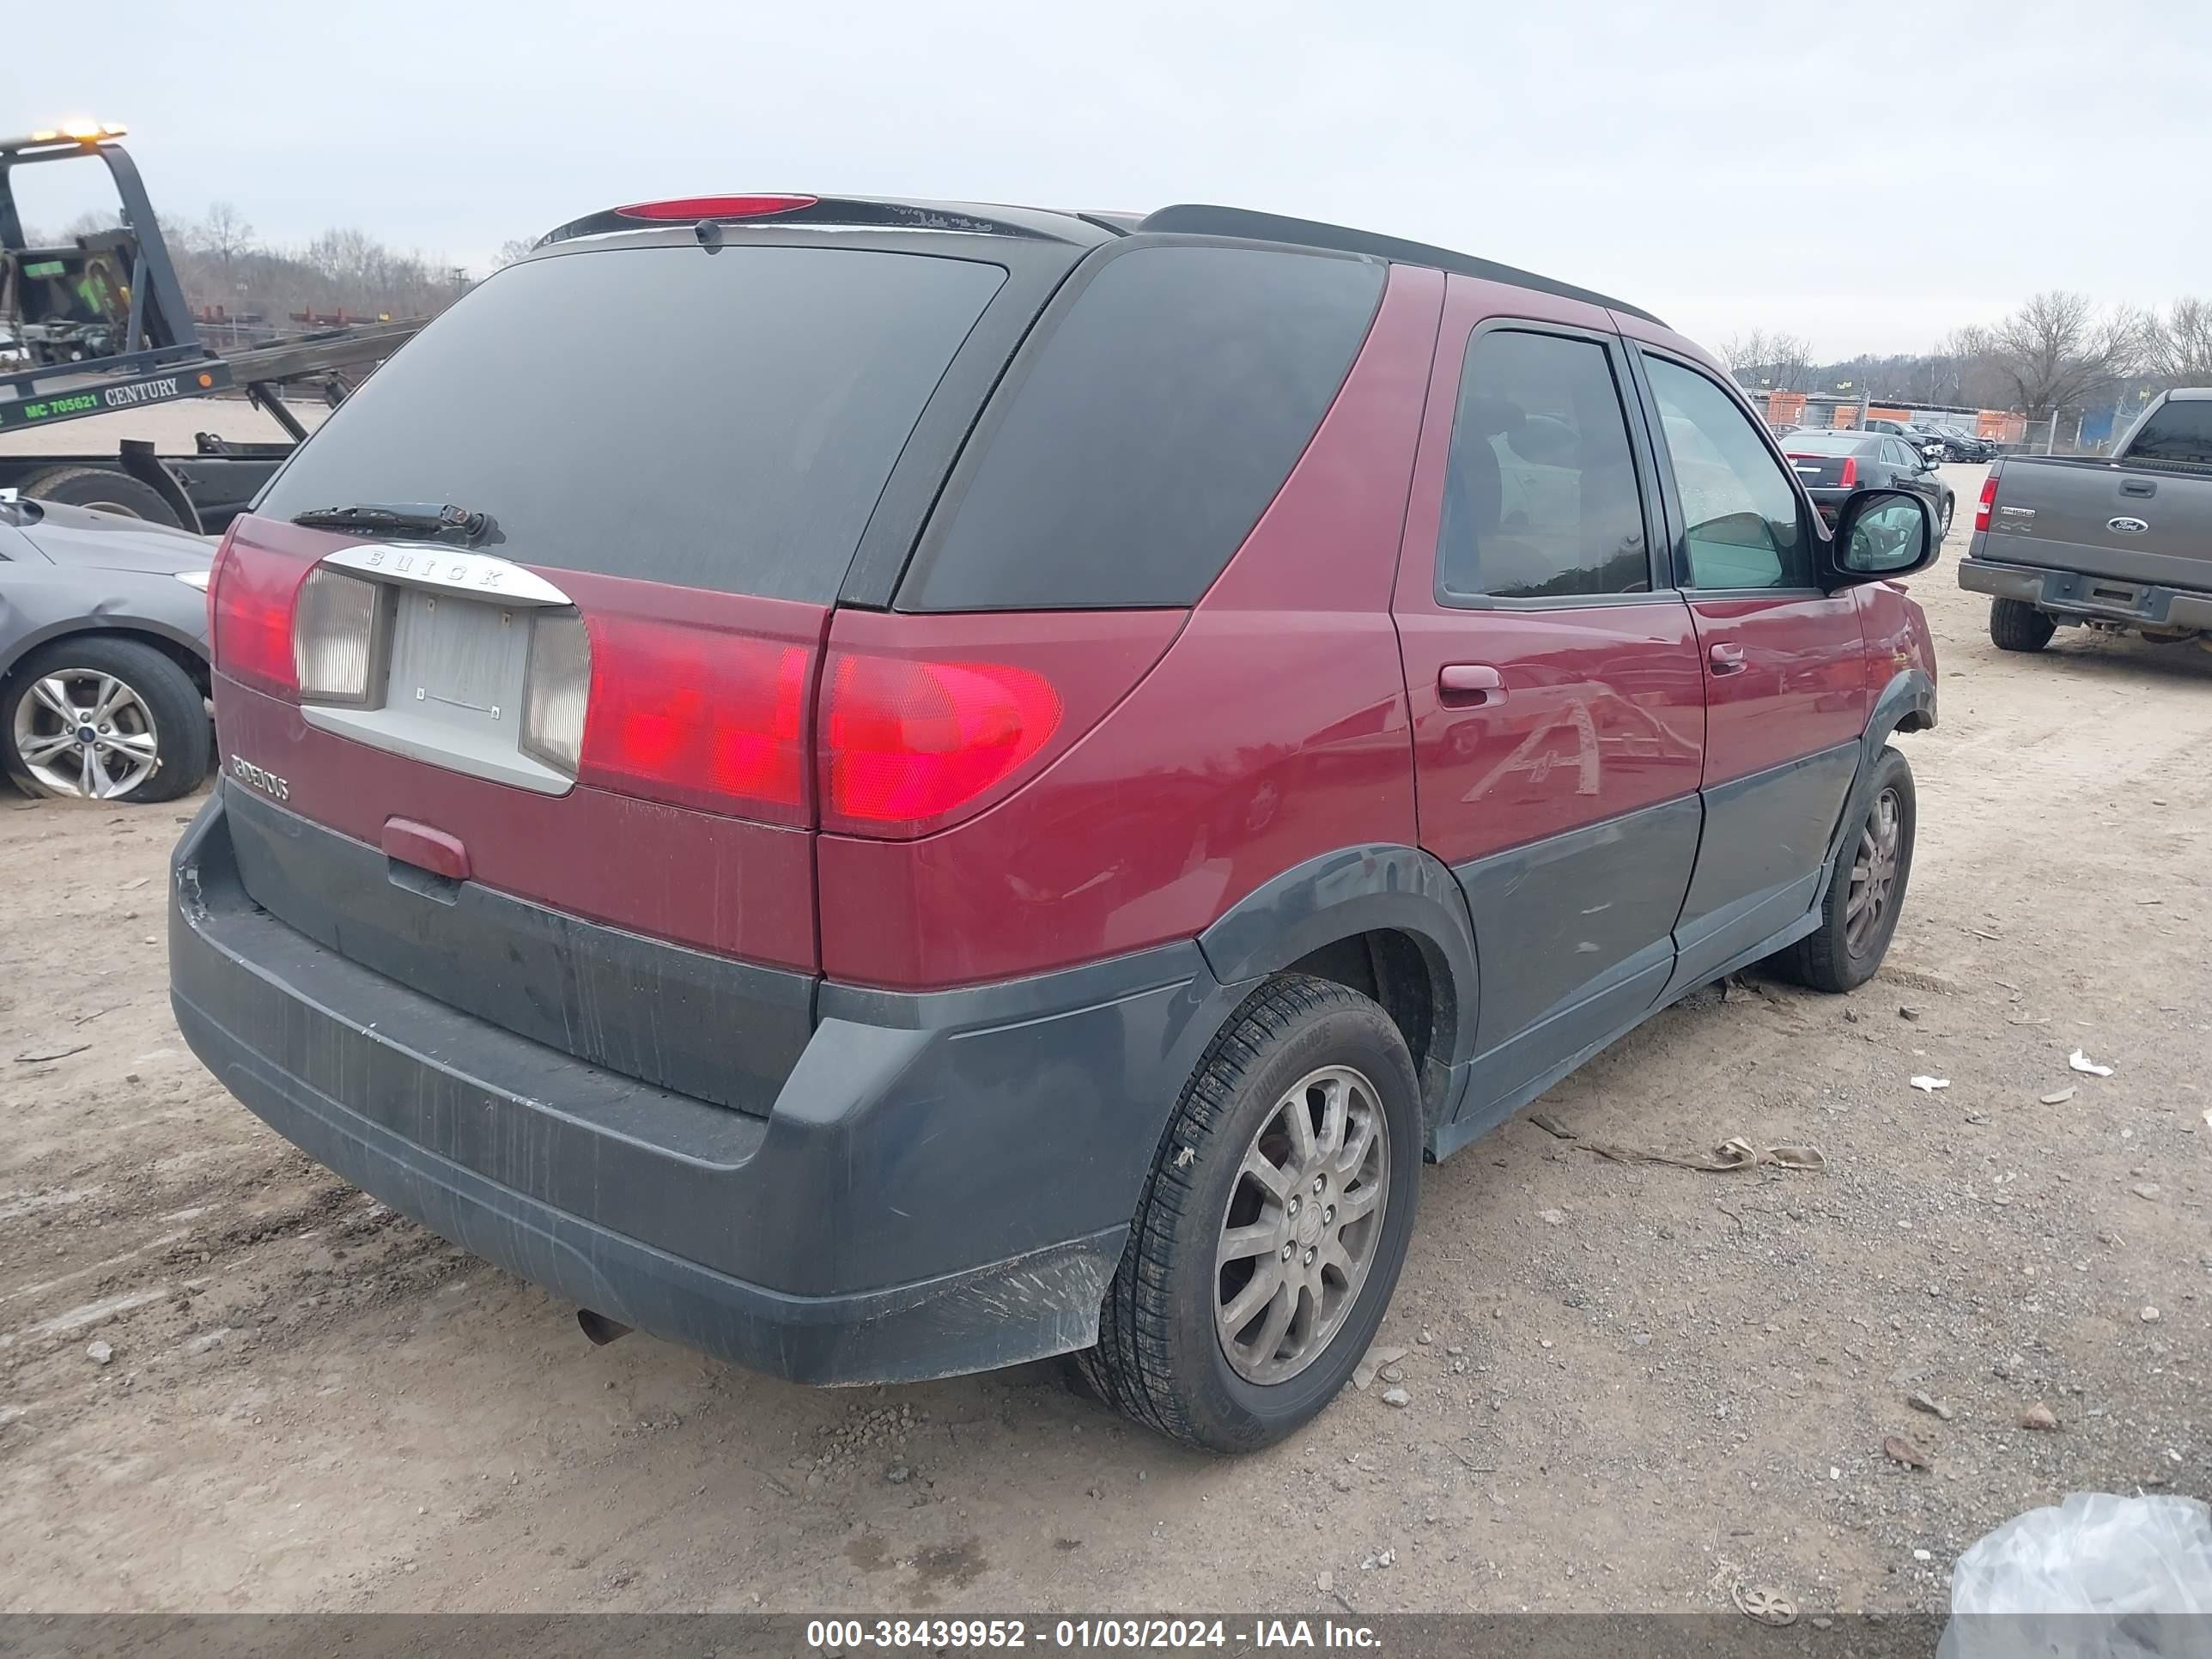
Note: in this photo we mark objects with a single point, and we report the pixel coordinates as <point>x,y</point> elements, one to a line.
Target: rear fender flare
<point>1910,695</point>
<point>1354,890</point>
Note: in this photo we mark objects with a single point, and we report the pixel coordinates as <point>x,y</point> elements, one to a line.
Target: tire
<point>103,489</point>
<point>1943,519</point>
<point>1161,1360</point>
<point>170,709</point>
<point>2016,625</point>
<point>1829,958</point>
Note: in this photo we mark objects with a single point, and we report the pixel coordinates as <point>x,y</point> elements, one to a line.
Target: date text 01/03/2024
<point>843,1636</point>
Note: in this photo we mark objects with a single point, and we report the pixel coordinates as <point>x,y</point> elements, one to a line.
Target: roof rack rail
<point>1202,219</point>
<point>884,213</point>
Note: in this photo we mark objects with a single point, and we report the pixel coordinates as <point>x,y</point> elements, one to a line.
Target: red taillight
<point>1988,500</point>
<point>906,741</point>
<point>1850,475</point>
<point>250,600</point>
<point>696,716</point>
<point>684,210</point>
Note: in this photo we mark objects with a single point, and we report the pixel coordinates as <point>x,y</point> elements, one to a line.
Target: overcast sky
<point>1867,174</point>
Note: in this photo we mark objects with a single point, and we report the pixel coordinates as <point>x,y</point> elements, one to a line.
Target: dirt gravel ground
<point>1632,1387</point>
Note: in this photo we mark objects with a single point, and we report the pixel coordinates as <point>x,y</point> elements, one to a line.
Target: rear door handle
<point>2137,487</point>
<point>1470,685</point>
<point>1726,657</point>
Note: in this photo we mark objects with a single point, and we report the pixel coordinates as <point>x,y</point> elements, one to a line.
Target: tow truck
<point>103,325</point>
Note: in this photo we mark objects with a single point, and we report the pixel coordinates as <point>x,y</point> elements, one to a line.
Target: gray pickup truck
<point>2121,543</point>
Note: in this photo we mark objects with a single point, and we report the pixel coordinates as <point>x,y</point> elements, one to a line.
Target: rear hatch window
<point>1146,429</point>
<point>2179,432</point>
<point>569,766</point>
<point>722,420</point>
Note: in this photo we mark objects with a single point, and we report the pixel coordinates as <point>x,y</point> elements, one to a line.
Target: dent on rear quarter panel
<point>1274,729</point>
<point>1898,642</point>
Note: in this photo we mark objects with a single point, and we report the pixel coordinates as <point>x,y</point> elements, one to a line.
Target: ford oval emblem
<point>2126,527</point>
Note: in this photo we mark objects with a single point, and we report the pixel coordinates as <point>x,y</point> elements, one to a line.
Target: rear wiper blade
<point>411,518</point>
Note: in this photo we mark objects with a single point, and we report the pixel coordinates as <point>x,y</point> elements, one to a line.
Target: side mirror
<point>1880,533</point>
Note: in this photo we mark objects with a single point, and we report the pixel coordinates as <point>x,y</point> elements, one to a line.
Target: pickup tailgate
<point>2103,518</point>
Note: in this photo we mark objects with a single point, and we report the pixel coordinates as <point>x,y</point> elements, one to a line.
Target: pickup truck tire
<point>101,489</point>
<point>1846,950</point>
<point>2016,625</point>
<point>1298,1044</point>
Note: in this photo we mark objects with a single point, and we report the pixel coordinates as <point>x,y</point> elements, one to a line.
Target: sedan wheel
<point>104,719</point>
<point>85,733</point>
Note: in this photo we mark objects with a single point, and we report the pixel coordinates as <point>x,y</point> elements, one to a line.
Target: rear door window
<point>1540,497</point>
<point>1739,509</point>
<point>723,421</point>
<point>1153,424</point>
<point>2179,431</point>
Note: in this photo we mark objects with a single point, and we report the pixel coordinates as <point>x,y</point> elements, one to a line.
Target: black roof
<point>1184,219</point>
<point>1199,219</point>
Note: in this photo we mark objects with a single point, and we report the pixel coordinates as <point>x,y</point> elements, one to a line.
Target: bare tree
<point>513,249</point>
<point>223,233</point>
<point>1743,353</point>
<point>345,254</point>
<point>1791,358</point>
<point>2058,350</point>
<point>91,222</point>
<point>1773,362</point>
<point>2177,347</point>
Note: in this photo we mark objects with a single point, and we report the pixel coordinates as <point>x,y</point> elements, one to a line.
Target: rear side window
<point>2178,430</point>
<point>1148,433</point>
<point>723,421</point>
<point>1539,498</point>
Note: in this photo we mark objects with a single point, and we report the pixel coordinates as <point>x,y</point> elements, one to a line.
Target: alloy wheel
<point>83,732</point>
<point>1303,1224</point>
<point>1874,872</point>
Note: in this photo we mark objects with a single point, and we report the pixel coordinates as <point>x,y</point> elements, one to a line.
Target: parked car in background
<point>103,653</point>
<point>954,819</point>
<point>2123,543</point>
<point>1920,437</point>
<point>1955,443</point>
<point>1833,464</point>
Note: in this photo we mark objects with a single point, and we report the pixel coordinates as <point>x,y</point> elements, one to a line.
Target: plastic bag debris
<point>2094,1577</point>
<point>1928,1085</point>
<point>2082,1062</point>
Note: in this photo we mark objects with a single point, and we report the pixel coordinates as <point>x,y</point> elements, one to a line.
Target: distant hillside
<point>260,290</point>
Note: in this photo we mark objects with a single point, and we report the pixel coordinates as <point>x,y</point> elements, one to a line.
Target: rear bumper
<point>2084,597</point>
<point>943,1185</point>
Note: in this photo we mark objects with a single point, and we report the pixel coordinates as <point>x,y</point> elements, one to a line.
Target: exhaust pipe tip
<point>601,1330</point>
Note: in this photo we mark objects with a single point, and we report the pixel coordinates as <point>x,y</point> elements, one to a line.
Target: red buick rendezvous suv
<point>993,782</point>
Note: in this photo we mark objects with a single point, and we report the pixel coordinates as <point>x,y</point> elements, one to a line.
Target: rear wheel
<point>2016,625</point>
<point>1859,915</point>
<point>102,490</point>
<point>103,719</point>
<point>1273,1227</point>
